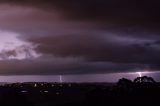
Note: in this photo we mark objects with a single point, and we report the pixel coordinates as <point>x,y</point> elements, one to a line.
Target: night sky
<point>80,40</point>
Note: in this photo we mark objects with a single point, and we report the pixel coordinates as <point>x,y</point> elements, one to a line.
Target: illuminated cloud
<point>13,48</point>
<point>78,37</point>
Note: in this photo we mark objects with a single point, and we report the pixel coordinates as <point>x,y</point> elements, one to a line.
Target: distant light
<point>57,93</point>
<point>60,79</point>
<point>139,73</point>
<point>142,73</point>
<point>46,91</point>
<point>35,85</point>
<point>24,91</point>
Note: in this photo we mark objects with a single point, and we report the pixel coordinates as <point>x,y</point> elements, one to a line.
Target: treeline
<point>143,91</point>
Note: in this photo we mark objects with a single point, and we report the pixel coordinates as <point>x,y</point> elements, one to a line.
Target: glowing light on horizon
<point>139,73</point>
<point>60,79</point>
<point>143,73</point>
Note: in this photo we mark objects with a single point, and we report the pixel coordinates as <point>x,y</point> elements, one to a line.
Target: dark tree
<point>144,79</point>
<point>124,83</point>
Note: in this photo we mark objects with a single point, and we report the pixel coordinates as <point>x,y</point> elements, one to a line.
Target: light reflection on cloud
<point>13,48</point>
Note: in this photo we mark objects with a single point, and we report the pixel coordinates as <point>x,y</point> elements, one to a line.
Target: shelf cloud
<point>79,36</point>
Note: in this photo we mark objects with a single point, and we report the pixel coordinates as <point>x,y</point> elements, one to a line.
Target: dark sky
<point>74,37</point>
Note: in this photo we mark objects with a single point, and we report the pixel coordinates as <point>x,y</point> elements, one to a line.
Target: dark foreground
<point>142,91</point>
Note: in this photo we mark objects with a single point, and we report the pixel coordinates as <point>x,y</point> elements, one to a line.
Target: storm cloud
<point>81,36</point>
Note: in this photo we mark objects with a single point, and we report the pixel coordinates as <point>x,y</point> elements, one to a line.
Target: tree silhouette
<point>144,79</point>
<point>124,83</point>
